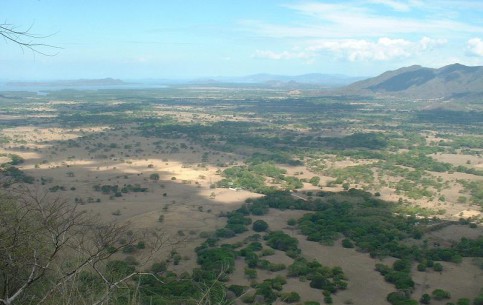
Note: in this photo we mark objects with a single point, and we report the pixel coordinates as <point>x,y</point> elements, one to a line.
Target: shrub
<point>463,301</point>
<point>268,252</point>
<point>425,298</point>
<point>440,294</point>
<point>478,300</point>
<point>314,180</point>
<point>250,273</point>
<point>118,269</point>
<point>290,297</point>
<point>281,241</point>
<point>238,290</point>
<point>400,298</point>
<point>224,233</point>
<point>159,267</point>
<point>260,226</point>
<point>217,259</point>
<point>347,243</point>
<point>437,267</point>
<point>402,265</point>
<point>248,298</point>
<point>129,249</point>
<point>421,267</point>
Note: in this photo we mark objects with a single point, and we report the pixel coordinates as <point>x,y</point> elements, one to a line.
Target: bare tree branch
<point>25,39</point>
<point>40,233</point>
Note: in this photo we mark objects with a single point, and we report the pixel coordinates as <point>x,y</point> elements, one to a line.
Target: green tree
<point>260,226</point>
<point>440,294</point>
<point>437,267</point>
<point>154,176</point>
<point>315,180</point>
<point>425,298</point>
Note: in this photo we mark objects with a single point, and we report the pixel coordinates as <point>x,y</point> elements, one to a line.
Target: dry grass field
<point>180,178</point>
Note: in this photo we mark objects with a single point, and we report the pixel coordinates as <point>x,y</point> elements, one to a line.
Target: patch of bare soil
<point>454,233</point>
<point>461,280</point>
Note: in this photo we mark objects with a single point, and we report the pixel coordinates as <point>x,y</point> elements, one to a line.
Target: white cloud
<point>383,49</point>
<point>355,50</point>
<point>353,19</point>
<point>395,5</point>
<point>475,47</point>
<point>281,55</point>
<point>428,44</point>
<point>401,6</point>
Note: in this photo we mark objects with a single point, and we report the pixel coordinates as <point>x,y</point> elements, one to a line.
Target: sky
<point>183,39</point>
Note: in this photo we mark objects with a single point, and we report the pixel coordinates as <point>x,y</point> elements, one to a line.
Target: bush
<point>248,299</point>
<point>290,297</point>
<point>463,301</point>
<point>260,226</point>
<point>268,252</point>
<point>437,267</point>
<point>116,270</point>
<point>400,298</point>
<point>402,265</point>
<point>425,299</point>
<point>440,294</point>
<point>281,241</point>
<point>159,267</point>
<point>154,177</point>
<point>217,259</point>
<point>128,249</point>
<point>478,300</point>
<point>250,273</point>
<point>238,290</point>
<point>347,243</point>
<point>224,233</point>
<point>314,180</point>
<point>292,222</point>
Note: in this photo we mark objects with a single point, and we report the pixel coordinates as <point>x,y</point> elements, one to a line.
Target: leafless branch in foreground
<point>25,39</point>
<point>46,244</point>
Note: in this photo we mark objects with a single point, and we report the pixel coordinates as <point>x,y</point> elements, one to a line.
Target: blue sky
<point>199,38</point>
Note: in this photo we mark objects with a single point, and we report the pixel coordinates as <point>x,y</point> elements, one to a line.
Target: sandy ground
<point>460,159</point>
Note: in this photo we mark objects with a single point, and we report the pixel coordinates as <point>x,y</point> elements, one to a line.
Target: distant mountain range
<point>454,81</point>
<point>329,80</point>
<point>270,80</point>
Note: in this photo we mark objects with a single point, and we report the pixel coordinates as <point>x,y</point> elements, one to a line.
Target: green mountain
<point>452,82</point>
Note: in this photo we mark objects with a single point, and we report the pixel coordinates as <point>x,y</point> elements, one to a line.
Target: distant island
<point>70,83</point>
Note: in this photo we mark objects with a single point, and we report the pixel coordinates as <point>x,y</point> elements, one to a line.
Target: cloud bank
<point>383,49</point>
<point>475,47</point>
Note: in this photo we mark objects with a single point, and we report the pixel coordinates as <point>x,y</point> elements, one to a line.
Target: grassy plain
<point>161,159</point>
